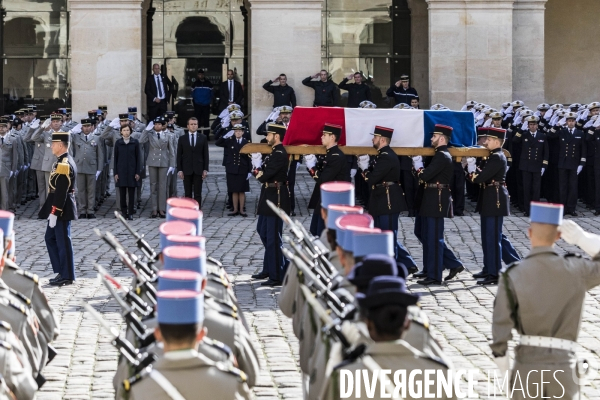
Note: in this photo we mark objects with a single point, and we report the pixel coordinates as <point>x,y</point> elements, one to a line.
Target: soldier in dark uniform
<point>436,204</point>
<point>401,91</point>
<point>331,167</point>
<point>357,91</point>
<point>571,161</point>
<point>493,205</point>
<point>593,140</point>
<point>534,160</point>
<point>589,182</point>
<point>386,199</point>
<point>273,178</point>
<point>283,94</point>
<point>60,210</point>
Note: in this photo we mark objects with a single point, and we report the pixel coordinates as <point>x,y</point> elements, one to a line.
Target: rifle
<point>140,242</point>
<point>129,296</point>
<point>133,355</point>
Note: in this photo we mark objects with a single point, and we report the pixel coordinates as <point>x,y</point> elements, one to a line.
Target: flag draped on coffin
<point>412,128</point>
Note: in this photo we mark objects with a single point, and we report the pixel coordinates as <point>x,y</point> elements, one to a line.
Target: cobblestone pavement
<point>460,312</point>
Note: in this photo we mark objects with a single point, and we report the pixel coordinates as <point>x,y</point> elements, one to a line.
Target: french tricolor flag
<point>412,128</point>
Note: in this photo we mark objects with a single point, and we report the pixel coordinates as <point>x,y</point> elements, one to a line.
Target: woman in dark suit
<point>128,167</point>
<point>237,167</point>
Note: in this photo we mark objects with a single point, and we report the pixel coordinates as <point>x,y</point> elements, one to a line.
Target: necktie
<point>193,140</point>
<point>239,141</point>
<point>86,138</point>
<point>231,90</point>
<point>2,140</point>
<point>158,135</point>
<point>159,86</point>
<point>571,131</point>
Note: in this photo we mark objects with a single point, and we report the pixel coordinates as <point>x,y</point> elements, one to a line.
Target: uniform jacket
<point>326,93</point>
<point>493,196</point>
<point>39,148</point>
<point>192,161</point>
<point>387,196</point>
<point>437,201</point>
<point>356,93</point>
<point>88,154</point>
<point>572,147</point>
<point>402,95</point>
<point>61,191</point>
<point>282,95</point>
<point>161,153</point>
<point>236,163</point>
<point>43,140</point>
<point>593,141</point>
<point>128,162</point>
<point>534,151</point>
<point>274,170</point>
<point>332,167</point>
<point>202,92</point>
<point>9,156</point>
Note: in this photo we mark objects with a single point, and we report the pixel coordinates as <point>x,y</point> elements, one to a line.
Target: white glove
<point>170,170</point>
<point>11,174</point>
<point>363,162</point>
<point>590,122</point>
<point>228,135</point>
<point>98,174</point>
<point>487,123</point>
<point>524,126</point>
<point>150,126</point>
<point>548,114</point>
<point>579,168</point>
<point>417,162</point>
<point>76,129</point>
<point>35,124</point>
<point>352,172</point>
<point>310,160</point>
<point>572,233</point>
<point>506,170</point>
<point>509,110</point>
<point>52,220</point>
<point>597,123</point>
<point>46,123</point>
<point>115,123</point>
<point>503,364</point>
<point>256,160</point>
<point>585,114</point>
<point>249,176</point>
<point>554,120</point>
<point>543,170</point>
<point>471,164</point>
<point>562,121</point>
<point>480,116</point>
<point>518,119</point>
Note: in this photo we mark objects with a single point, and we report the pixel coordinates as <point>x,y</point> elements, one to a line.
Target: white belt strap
<point>549,342</point>
<point>166,385</point>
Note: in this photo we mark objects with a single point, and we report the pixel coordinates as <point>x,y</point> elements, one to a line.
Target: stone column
<point>419,50</point>
<point>285,37</point>
<point>528,51</point>
<point>470,51</point>
<point>106,55</point>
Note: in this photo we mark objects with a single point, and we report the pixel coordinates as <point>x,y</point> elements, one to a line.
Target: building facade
<point>82,53</point>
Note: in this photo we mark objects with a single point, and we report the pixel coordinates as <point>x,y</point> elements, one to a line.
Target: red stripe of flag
<point>306,125</point>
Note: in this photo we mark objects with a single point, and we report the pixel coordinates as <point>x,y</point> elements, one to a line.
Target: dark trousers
<point>458,190</point>
<point>597,187</point>
<point>60,249</point>
<point>317,225</point>
<point>409,183</point>
<point>567,183</point>
<point>362,189</point>
<point>292,185</point>
<point>449,259</point>
<point>491,242</point>
<point>274,262</point>
<point>124,191</point>
<point>202,113</point>
<point>509,254</point>
<point>532,184</point>
<point>193,181</point>
<point>432,232</point>
<point>156,109</point>
<point>389,222</point>
<point>590,185</point>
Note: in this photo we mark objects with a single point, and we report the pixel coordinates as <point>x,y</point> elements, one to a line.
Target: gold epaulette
<point>63,167</point>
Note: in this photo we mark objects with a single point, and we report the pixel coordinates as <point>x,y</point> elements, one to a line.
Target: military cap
<point>556,106</point>
<point>497,133</point>
<point>482,132</point>
<point>385,291</point>
<point>471,103</point>
<point>348,242</point>
<point>7,220</point>
<point>132,110</point>
<point>33,107</point>
<point>575,106</point>
<point>99,112</point>
<point>170,114</point>
<point>17,121</point>
<point>546,213</point>
<point>593,105</point>
<point>28,110</point>
<point>334,211</point>
<point>383,131</point>
<point>570,115</point>
<point>496,115</point>
<point>532,118</point>
<point>200,70</point>
<point>285,109</point>
<point>103,108</point>
<point>123,117</point>
<point>61,137</point>
<point>332,129</point>
<point>179,307</point>
<point>401,106</point>
<point>233,107</point>
<point>158,120</point>
<point>56,117</point>
<point>337,193</point>
<point>4,121</point>
<point>184,257</point>
<point>479,106</point>
<point>443,130</point>
<point>238,127</point>
<point>365,242</point>
<point>236,115</point>
<point>517,103</point>
<point>526,113</point>
<point>543,107</point>
<point>506,104</point>
<point>182,202</point>
<point>86,121</point>
<point>175,228</point>
<point>19,113</point>
<point>276,130</point>
<point>94,118</point>
<point>345,221</point>
<point>188,215</point>
<point>372,266</point>
<point>367,104</point>
<point>186,240</point>
<point>404,77</point>
<point>91,113</point>
<point>179,280</point>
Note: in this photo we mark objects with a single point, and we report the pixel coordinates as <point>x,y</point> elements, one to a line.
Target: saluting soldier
<point>436,204</point>
<point>571,160</point>
<point>493,204</point>
<point>60,209</point>
<point>8,164</point>
<point>89,156</point>
<point>593,140</point>
<point>527,300</point>
<point>357,91</point>
<point>273,178</point>
<point>386,199</point>
<point>534,160</point>
<point>331,167</point>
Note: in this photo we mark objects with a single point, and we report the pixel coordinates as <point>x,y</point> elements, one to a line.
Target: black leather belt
<point>437,185</point>
<point>276,184</point>
<point>495,184</point>
<point>384,184</point>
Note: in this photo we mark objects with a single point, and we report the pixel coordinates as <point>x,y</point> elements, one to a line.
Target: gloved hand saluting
<point>574,234</point>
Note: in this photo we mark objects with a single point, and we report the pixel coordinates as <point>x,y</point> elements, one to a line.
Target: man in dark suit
<point>192,160</point>
<point>230,92</point>
<point>158,93</point>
